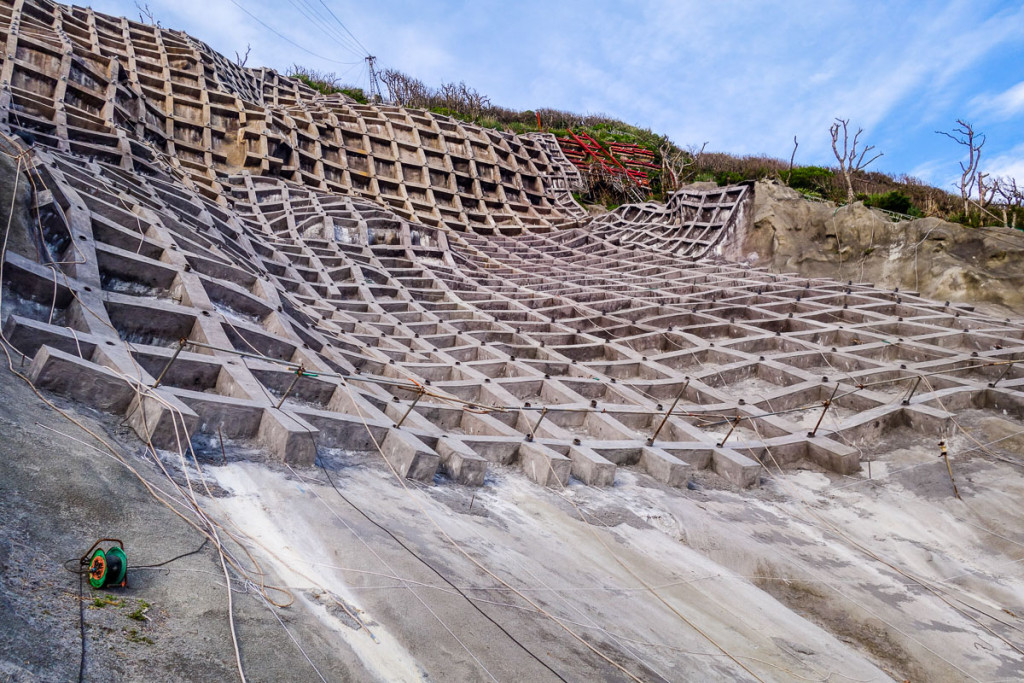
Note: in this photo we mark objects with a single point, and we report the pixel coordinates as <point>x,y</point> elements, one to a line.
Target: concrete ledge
<point>339,430</point>
<point>409,456</point>
<point>460,463</point>
<point>233,417</point>
<point>664,466</point>
<point>288,437</point>
<point>27,335</point>
<point>738,469</point>
<point>496,449</point>
<point>80,380</point>
<point>162,419</point>
<point>834,456</point>
<point>928,420</point>
<point>698,458</point>
<point>543,465</point>
<point>590,467</point>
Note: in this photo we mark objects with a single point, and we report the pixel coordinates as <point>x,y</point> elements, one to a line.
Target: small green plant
<point>132,635</point>
<point>102,601</point>
<point>139,614</point>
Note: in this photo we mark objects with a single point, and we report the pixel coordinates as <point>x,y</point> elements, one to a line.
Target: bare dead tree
<point>240,60</point>
<point>447,96</point>
<point>986,191</point>
<point>849,162</point>
<point>964,134</point>
<point>404,90</point>
<point>146,15</point>
<point>792,157</point>
<point>678,164</point>
<point>472,100</point>
<point>1012,198</point>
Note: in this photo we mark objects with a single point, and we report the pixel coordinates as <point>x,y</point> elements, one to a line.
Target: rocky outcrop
<point>941,260</point>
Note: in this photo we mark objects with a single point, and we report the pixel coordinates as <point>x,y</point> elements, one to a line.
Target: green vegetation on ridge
<point>901,194</point>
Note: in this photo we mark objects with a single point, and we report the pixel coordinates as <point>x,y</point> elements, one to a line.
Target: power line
<point>286,39</point>
<point>315,16</point>
<point>365,51</point>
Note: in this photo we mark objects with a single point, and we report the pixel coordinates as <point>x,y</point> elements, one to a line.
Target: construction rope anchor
<point>910,394</point>
<point>949,468</point>
<point>543,412</point>
<point>419,395</point>
<point>299,372</point>
<point>1004,373</point>
<point>650,441</point>
<point>825,404</point>
<point>735,422</point>
<point>182,343</point>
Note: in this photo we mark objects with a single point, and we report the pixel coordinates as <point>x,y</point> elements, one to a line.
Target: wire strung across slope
<point>285,38</point>
<point>345,28</point>
<point>412,552</point>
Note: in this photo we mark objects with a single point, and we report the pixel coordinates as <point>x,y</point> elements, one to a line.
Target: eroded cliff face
<point>942,260</point>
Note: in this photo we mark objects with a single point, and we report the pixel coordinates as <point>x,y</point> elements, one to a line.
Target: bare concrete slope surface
<point>423,418</point>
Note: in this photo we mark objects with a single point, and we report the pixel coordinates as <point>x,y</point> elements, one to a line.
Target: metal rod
<point>949,468</point>
<point>729,433</point>
<point>529,437</point>
<point>824,410</point>
<point>910,395</point>
<point>181,344</point>
<point>1000,377</point>
<point>650,441</point>
<point>411,406</point>
<point>223,451</point>
<point>298,374</point>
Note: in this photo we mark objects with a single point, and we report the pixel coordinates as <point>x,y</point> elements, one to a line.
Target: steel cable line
<point>365,51</point>
<point>334,32</point>
<point>286,39</point>
<point>313,18</point>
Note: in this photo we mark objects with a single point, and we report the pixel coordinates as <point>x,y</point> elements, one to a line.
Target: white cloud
<point>1009,164</point>
<point>1003,105</point>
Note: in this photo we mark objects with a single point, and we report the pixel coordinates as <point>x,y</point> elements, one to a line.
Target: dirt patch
<point>816,602</point>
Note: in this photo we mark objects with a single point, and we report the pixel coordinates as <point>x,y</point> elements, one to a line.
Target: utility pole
<point>375,95</point>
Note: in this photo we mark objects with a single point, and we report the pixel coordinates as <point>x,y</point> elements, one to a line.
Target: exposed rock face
<point>941,260</point>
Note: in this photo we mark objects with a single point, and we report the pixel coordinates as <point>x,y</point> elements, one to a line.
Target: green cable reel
<point>106,567</point>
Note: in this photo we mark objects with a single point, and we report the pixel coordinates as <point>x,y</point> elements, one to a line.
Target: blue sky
<point>744,75</point>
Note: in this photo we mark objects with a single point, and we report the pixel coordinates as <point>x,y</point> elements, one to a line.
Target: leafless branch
<point>146,14</point>
<point>792,157</point>
<point>964,134</point>
<point>240,60</point>
<point>679,164</point>
<point>849,162</point>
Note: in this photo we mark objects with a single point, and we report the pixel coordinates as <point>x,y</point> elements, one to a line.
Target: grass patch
<point>132,635</point>
<point>139,613</point>
<point>103,601</point>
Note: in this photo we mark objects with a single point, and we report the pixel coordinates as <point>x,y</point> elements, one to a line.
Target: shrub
<point>326,83</point>
<point>813,179</point>
<point>894,200</point>
<point>356,94</point>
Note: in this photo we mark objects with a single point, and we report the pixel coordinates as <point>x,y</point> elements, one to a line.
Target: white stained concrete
<point>531,538</point>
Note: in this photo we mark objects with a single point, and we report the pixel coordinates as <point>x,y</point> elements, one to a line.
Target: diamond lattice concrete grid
<point>178,196</point>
